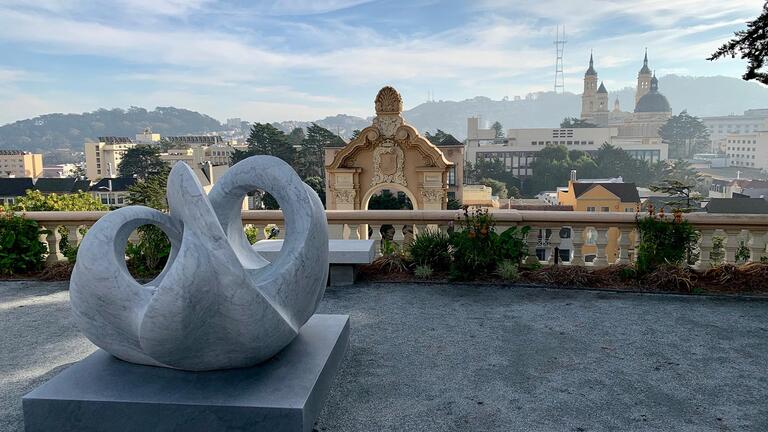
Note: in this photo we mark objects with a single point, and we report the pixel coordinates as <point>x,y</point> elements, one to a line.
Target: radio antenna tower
<point>559,49</point>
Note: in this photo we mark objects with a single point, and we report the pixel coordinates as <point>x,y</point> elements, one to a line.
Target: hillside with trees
<point>51,132</point>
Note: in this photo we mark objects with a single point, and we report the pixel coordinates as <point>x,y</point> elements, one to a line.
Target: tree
<point>498,188</point>
<point>682,194</point>
<point>576,123</point>
<point>686,135</point>
<point>614,161</point>
<point>142,161</point>
<point>386,200</point>
<point>310,159</point>
<point>34,200</point>
<point>150,192</point>
<point>499,129</point>
<point>751,45</point>
<point>437,137</point>
<point>78,172</point>
<point>489,168</point>
<point>552,168</point>
<point>265,139</point>
<point>296,136</point>
<point>355,134</point>
<point>681,171</point>
<point>318,185</point>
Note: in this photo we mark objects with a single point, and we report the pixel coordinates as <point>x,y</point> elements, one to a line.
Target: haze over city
<point>303,60</point>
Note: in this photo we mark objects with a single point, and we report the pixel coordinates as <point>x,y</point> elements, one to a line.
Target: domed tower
<point>653,101</point>
<point>602,99</point>
<point>589,96</point>
<point>643,79</point>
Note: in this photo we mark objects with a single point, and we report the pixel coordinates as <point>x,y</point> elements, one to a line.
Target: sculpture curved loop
<point>217,304</point>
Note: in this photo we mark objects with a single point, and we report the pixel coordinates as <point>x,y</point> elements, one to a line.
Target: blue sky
<point>303,60</point>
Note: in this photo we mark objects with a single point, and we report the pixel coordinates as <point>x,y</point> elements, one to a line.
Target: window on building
<point>590,209</point>
<point>452,176</point>
<point>605,209</point>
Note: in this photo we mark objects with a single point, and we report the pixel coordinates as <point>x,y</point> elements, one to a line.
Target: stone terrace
<point>481,358</point>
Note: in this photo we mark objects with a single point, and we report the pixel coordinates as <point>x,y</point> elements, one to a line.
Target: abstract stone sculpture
<point>217,304</point>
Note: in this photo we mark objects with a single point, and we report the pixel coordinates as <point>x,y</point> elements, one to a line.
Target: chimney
<point>573,175</point>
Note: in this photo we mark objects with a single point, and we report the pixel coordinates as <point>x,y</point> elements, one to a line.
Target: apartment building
<point>747,150</point>
<point>18,163</point>
<point>102,158</point>
<point>721,126</point>
<point>519,149</point>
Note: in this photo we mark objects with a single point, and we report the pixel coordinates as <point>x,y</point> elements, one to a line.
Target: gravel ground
<point>476,358</point>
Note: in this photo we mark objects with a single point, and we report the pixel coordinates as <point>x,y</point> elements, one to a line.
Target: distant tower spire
<point>559,50</point>
<point>589,102</point>
<point>643,79</point>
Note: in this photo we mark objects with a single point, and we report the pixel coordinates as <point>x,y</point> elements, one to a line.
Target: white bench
<point>344,256</point>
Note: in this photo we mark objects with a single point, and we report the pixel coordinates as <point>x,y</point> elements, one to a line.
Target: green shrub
<point>423,272</point>
<point>507,269</point>
<point>478,249</point>
<point>512,244</point>
<point>21,250</point>
<point>252,234</point>
<point>431,248</point>
<point>393,259</point>
<point>148,257</point>
<point>664,242</point>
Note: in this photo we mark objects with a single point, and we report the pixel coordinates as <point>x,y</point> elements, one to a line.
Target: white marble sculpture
<point>217,304</point>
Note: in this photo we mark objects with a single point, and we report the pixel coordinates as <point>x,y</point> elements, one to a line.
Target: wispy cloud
<point>325,56</point>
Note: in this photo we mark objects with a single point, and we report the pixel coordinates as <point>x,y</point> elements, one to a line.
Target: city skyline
<point>302,60</point>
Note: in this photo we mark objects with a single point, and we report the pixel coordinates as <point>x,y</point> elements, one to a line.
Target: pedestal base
<point>286,393</point>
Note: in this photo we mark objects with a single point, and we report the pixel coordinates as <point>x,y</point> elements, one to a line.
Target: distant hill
<point>702,96</point>
<point>51,132</point>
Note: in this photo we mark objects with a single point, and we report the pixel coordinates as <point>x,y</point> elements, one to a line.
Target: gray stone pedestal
<point>286,393</point>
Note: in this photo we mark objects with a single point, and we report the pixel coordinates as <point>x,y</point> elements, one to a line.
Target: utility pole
<point>559,50</point>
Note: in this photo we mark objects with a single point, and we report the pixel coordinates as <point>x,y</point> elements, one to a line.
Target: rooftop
<point>483,358</point>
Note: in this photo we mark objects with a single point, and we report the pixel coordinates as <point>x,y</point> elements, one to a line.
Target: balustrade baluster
<point>376,237</point>
<point>354,232</point>
<point>624,244</point>
<point>399,236</point>
<point>731,245</point>
<point>705,249</point>
<point>601,257</point>
<point>533,242</point>
<point>53,240</point>
<point>73,236</point>
<point>756,245</point>
<point>554,244</point>
<point>578,243</point>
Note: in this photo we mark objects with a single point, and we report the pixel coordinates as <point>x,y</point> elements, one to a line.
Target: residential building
<point>737,206</point>
<point>113,191</point>
<point>14,187</point>
<point>600,197</point>
<point>749,150</point>
<point>59,170</point>
<point>61,186</point>
<point>102,158</point>
<point>519,149</point>
<point>721,126</point>
<point>480,196</point>
<point>19,163</point>
<point>147,137</point>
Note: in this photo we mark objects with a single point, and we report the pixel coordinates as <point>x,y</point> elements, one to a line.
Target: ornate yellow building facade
<point>391,155</point>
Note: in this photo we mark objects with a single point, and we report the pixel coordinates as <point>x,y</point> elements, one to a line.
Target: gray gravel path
<point>475,358</point>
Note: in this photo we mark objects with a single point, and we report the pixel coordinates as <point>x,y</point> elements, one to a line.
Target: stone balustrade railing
<point>574,238</point>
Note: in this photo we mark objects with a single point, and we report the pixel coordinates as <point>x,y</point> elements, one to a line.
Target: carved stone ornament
<point>217,304</point>
<point>345,196</point>
<point>388,164</point>
<point>432,195</point>
<point>388,101</point>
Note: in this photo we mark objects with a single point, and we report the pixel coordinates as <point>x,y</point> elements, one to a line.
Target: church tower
<point>602,99</point>
<point>643,79</point>
<point>589,102</point>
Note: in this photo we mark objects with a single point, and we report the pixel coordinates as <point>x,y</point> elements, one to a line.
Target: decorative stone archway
<point>388,154</point>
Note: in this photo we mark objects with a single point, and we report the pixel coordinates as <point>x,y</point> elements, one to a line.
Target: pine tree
<point>265,139</point>
<point>686,135</point>
<point>752,45</point>
<point>310,161</point>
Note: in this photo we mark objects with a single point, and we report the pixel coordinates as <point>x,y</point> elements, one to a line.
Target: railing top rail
<point>511,217</point>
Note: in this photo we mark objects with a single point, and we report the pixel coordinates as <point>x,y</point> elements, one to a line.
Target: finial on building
<point>645,70</point>
<point>591,71</point>
<point>388,101</point>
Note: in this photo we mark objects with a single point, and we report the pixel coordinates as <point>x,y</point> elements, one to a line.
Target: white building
<point>748,150</point>
<point>103,157</point>
<point>518,150</point>
<point>721,126</point>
